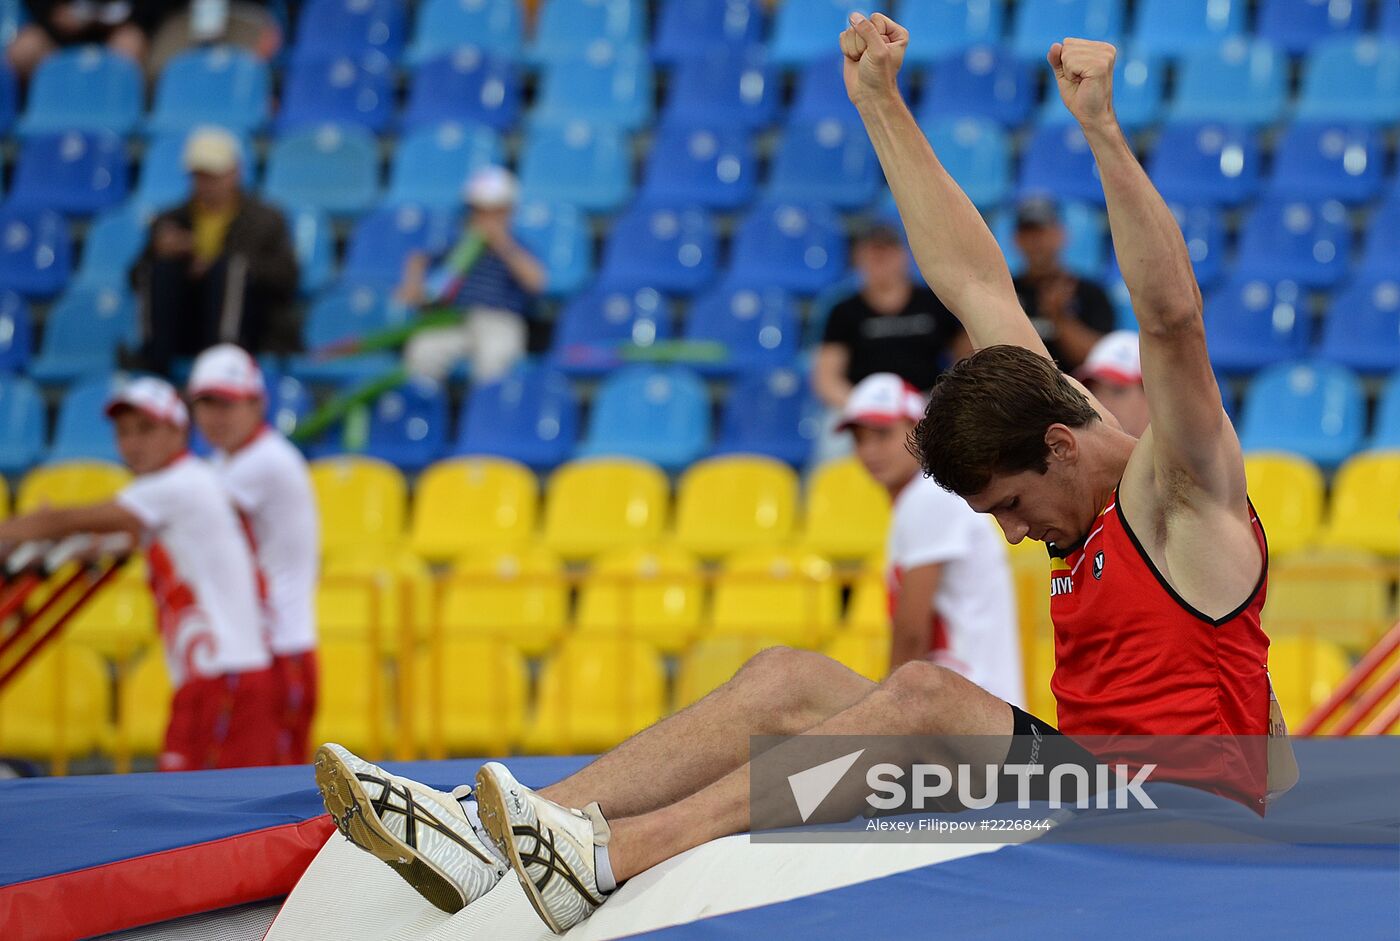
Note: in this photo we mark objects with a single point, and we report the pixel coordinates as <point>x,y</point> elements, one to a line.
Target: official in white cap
<point>951,596</point>
<point>488,275</point>
<point>1113,372</point>
<point>268,481</point>
<point>202,575</point>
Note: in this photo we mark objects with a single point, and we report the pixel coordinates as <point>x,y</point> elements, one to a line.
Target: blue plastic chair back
<point>464,85</point>
<point>82,333</point>
<point>672,249</point>
<point>589,167</point>
<point>1252,323</point>
<point>689,29</point>
<point>83,432</point>
<point>1172,27</point>
<point>1058,161</point>
<point>164,180</point>
<point>1085,229</point>
<point>980,82</point>
<point>1328,161</point>
<point>22,424</point>
<point>1139,86</point>
<point>431,165</point>
<point>1307,242</point>
<point>807,29</point>
<point>225,85</point>
<point>1215,164</point>
<point>344,314</point>
<point>716,168</point>
<point>829,161</point>
<point>1352,80</point>
<point>1313,409</point>
<point>443,25</point>
<point>1362,326</point>
<point>977,154</point>
<point>1390,21</point>
<point>559,237</point>
<point>408,425</point>
<point>940,27</point>
<point>383,240</point>
<point>1203,228</point>
<point>1240,82</point>
<point>771,414</point>
<point>16,332</point>
<point>288,401</point>
<point>731,88</point>
<point>350,27</point>
<point>595,326</point>
<point>1039,24</point>
<point>531,416</point>
<point>613,88</point>
<point>758,327</point>
<point>572,27</point>
<point>800,249</point>
<point>1383,239</point>
<point>332,168</point>
<point>661,415</point>
<point>9,96</point>
<point>114,241</point>
<point>75,173</point>
<point>86,88</point>
<point>1297,25</point>
<point>351,90</point>
<point>313,240</point>
<point>34,251</point>
<point>1387,433</point>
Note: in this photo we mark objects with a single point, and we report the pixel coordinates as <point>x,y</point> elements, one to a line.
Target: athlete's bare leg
<point>780,691</point>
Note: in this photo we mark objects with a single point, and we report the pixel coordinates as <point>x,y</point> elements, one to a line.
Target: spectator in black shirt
<point>1070,313</point>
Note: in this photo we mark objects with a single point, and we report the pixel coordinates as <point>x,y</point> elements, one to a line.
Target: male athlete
<point>268,481</point>
<point>224,714</point>
<point>1156,609</point>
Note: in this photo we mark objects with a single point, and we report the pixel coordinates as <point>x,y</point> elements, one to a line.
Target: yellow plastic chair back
<point>120,619</point>
<point>1288,493</point>
<point>472,503</point>
<point>1366,504</point>
<point>595,505</point>
<point>483,690</point>
<point>653,594</point>
<point>713,661</point>
<point>30,722</point>
<point>785,594</point>
<point>352,685</point>
<point>361,591</point>
<point>725,504</point>
<point>1304,672</point>
<point>519,596</point>
<point>70,483</point>
<point>143,703</point>
<point>1333,594</point>
<point>869,611</point>
<point>848,513</point>
<point>362,502</point>
<point>866,653</point>
<point>595,692</point>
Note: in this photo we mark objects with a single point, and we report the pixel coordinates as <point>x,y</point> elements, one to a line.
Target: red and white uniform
<point>973,621</point>
<point>1132,658</point>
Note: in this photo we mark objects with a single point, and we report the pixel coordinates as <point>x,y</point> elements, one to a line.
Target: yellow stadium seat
<point>362,502</point>
<point>725,504</point>
<point>349,681</point>
<point>867,653</point>
<point>713,661</point>
<point>1030,572</point>
<point>472,503</point>
<point>869,611</point>
<point>654,594</point>
<point>595,692</point>
<point>606,503</point>
<point>120,619</point>
<point>70,483</point>
<point>1333,594</point>
<point>1366,504</point>
<point>1304,672</point>
<point>848,513</point>
<point>4,498</point>
<point>484,690</point>
<point>1039,660</point>
<point>1287,491</point>
<point>786,594</point>
<point>516,595</point>
<point>360,592</point>
<point>143,704</point>
<point>62,678</point>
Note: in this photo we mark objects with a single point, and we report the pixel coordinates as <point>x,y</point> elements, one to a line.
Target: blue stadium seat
<point>1085,230</point>
<point>531,416</point>
<point>758,327</point>
<point>661,415</point>
<point>713,168</point>
<point>570,27</point>
<point>332,168</point>
<point>82,432</point>
<point>1383,239</point>
<point>346,314</point>
<point>225,85</point>
<point>807,29</point>
<point>82,332</point>
<point>35,251</point>
<point>1238,82</point>
<point>1039,25</point>
<point>1313,409</point>
<point>800,249</point>
<point>114,241</point>
<point>1328,161</point>
<point>16,332</point>
<point>164,180</point>
<point>1306,242</point>
<point>431,165</point>
<point>9,97</point>
<point>408,425</point>
<point>1390,20</point>
<point>467,86</point>
<point>558,235</point>
<point>340,90</point>
<point>734,88</point>
<point>977,154</point>
<point>22,424</point>
<point>1352,80</point>
<point>1362,326</point>
<point>288,401</point>
<point>1213,164</point>
<point>1387,430</point>
<point>981,82</point>
<point>75,173</point>
<point>1172,27</point>
<point>1203,228</point>
<point>382,241</point>
<point>672,249</point>
<point>85,88</point>
<point>940,27</point>
<point>1057,160</point>
<point>613,89</point>
<point>827,161</point>
<point>770,413</point>
<point>1253,323</point>
<point>313,239</point>
<point>350,27</point>
<point>1139,86</point>
<point>1295,26</point>
<point>443,25</point>
<point>596,325</point>
<point>590,167</point>
<point>689,29</point>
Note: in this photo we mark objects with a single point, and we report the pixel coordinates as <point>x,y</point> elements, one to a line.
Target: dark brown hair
<point>988,415</point>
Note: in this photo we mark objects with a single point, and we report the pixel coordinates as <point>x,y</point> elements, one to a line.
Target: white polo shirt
<point>973,621</point>
<point>201,570</point>
<point>269,482</point>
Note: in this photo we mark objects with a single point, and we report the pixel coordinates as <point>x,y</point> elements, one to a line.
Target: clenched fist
<point>874,50</point>
<point>1084,72</point>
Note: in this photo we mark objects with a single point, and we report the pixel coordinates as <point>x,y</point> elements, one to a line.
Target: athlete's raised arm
<point>956,253</point>
<point>1189,432</point>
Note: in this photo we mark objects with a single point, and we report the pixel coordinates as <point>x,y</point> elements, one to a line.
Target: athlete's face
<point>227,424</point>
<point>883,452</point>
<point>1049,507</point>
<point>145,443</point>
<point>1128,403</point>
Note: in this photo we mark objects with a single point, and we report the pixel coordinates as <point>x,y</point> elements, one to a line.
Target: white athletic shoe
<point>550,847</point>
<point>423,834</point>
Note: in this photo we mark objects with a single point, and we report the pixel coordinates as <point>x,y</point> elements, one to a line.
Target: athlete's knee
<point>799,687</point>
<point>919,681</point>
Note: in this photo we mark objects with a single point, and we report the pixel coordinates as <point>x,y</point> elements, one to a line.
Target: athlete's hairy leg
<point>918,699</point>
<point>780,691</point>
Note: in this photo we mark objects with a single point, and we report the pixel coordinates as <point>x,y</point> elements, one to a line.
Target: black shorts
<point>1036,742</point>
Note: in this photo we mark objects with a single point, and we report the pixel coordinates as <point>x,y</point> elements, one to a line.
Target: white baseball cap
<point>211,149</point>
<point>491,188</point>
<point>155,397</point>
<point>1115,358</point>
<point>226,372</point>
<point>881,399</point>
